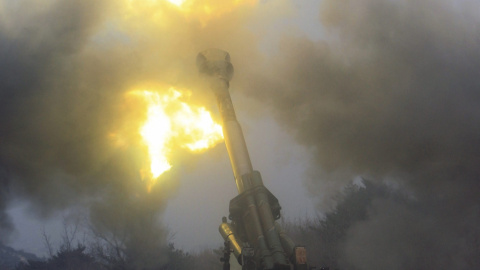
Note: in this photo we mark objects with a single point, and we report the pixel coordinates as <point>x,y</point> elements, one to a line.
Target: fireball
<point>171,123</point>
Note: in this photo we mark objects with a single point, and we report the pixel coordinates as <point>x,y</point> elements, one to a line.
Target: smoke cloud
<point>391,93</point>
<point>65,67</point>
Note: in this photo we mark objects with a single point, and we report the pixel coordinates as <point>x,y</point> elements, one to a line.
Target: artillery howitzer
<point>257,241</point>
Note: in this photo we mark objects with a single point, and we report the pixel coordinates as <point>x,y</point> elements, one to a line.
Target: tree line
<point>322,235</point>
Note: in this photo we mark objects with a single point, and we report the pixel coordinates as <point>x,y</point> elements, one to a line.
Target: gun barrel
<point>235,143</point>
<point>216,64</point>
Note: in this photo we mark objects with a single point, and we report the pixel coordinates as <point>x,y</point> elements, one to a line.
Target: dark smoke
<point>6,225</point>
<point>60,97</point>
<point>65,67</point>
<point>391,93</point>
<point>41,124</point>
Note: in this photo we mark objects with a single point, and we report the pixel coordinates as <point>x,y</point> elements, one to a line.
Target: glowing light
<point>172,123</point>
<point>177,2</point>
<point>155,132</point>
<point>165,13</point>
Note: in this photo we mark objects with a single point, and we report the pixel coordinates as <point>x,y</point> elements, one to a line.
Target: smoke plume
<point>391,93</point>
<point>65,67</point>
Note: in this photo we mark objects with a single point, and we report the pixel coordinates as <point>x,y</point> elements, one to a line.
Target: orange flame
<point>171,124</point>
